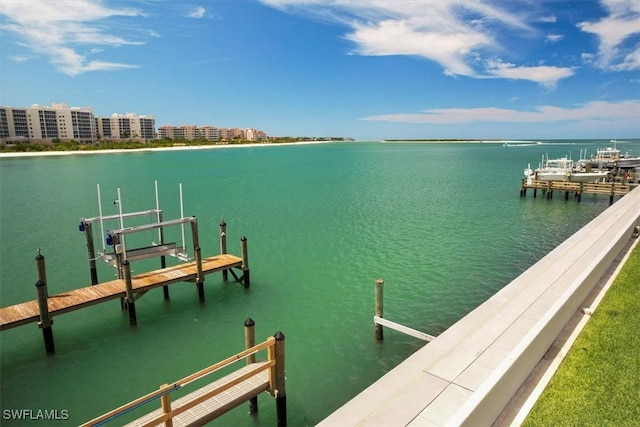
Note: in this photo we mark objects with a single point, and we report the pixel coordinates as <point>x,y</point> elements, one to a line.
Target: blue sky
<point>368,69</point>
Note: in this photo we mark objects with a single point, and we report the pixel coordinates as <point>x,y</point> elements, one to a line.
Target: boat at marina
<point>564,169</point>
<point>611,158</point>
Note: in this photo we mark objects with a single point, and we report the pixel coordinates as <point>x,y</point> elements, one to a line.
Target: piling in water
<point>245,262</point>
<point>379,307</point>
<point>131,301</point>
<point>223,246</point>
<point>279,380</point>
<point>43,305</point>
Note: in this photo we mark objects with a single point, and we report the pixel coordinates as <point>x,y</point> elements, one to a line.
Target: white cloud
<point>58,28</point>
<point>453,33</point>
<point>622,23</point>
<point>544,75</point>
<point>393,37</point>
<point>197,13</point>
<point>553,38</point>
<point>21,58</point>
<point>597,111</point>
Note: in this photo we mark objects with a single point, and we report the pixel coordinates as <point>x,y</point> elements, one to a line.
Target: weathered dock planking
<point>28,312</point>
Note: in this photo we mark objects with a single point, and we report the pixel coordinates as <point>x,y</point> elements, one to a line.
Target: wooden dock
<point>610,189</point>
<point>219,396</point>
<point>28,312</point>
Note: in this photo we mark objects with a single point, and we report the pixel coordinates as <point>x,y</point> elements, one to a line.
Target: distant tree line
<point>130,144</point>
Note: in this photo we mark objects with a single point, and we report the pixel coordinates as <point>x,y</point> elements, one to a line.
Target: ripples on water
<point>442,224</point>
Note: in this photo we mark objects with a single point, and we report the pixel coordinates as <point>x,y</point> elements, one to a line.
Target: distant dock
<point>611,189</point>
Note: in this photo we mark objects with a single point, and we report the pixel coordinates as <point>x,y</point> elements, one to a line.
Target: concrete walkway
<point>469,374</point>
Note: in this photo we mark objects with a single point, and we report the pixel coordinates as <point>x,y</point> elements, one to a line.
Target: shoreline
<point>148,150</point>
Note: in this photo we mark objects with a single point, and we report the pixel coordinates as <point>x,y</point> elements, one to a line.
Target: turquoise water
<point>442,224</point>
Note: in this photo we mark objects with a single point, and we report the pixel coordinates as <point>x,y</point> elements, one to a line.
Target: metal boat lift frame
<point>117,237</point>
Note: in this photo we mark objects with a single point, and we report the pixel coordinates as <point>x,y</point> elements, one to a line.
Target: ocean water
<point>442,224</point>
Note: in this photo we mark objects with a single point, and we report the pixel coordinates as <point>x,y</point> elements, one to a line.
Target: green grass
<point>598,383</point>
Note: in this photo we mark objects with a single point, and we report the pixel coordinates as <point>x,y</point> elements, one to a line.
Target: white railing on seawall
<point>587,254</point>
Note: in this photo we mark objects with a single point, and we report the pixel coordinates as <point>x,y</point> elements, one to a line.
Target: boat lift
<point>116,238</point>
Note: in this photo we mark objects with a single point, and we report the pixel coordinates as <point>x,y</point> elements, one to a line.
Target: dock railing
<point>272,382</point>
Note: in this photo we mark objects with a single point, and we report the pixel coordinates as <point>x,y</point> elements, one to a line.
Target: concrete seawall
<point>468,374</point>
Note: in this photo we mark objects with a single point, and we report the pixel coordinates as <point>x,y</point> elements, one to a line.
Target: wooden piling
<point>579,194</point>
<point>200,276</point>
<point>163,258</point>
<point>379,307</point>
<point>43,305</point>
<point>250,341</point>
<point>611,195</point>
<point>279,381</point>
<point>131,303</point>
<point>245,262</point>
<point>223,246</point>
<point>198,254</point>
<point>88,232</point>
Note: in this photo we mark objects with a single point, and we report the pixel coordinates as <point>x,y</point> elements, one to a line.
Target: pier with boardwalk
<point>610,189</point>
<point>126,287</point>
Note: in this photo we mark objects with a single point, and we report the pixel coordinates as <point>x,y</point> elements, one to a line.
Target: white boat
<point>611,157</point>
<point>563,169</point>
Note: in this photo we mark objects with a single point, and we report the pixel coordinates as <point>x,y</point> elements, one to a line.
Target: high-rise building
<point>126,126</point>
<point>44,124</point>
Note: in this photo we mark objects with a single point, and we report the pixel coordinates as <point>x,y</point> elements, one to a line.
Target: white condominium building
<point>58,123</point>
<point>45,124</point>
<point>126,126</point>
<point>209,133</point>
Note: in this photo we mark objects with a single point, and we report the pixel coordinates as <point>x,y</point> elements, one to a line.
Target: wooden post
<point>43,305</point>
<point>165,400</point>
<point>200,276</point>
<point>198,253</point>
<point>612,193</point>
<point>279,391</point>
<point>580,193</point>
<point>250,341</point>
<point>223,246</point>
<point>379,308</point>
<point>131,304</point>
<point>88,232</point>
<point>245,262</point>
<point>163,258</point>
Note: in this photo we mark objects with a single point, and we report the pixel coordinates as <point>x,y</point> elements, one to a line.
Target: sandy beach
<point>143,150</point>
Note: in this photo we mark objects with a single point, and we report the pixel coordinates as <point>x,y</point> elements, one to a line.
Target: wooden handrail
<point>166,389</point>
<point>224,387</point>
<point>217,366</point>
